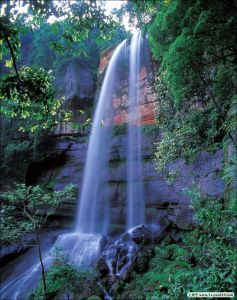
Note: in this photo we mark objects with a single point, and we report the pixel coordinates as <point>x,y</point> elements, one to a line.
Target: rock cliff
<point>163,199</point>
<point>146,90</point>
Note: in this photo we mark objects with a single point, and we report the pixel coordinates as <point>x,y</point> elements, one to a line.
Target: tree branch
<point>11,51</point>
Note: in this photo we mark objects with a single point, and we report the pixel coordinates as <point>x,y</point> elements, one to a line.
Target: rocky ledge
<point>131,252</point>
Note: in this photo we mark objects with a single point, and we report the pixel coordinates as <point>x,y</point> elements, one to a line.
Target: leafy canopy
<point>27,208</point>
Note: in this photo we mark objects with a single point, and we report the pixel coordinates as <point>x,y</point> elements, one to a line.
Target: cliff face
<point>120,99</point>
<point>77,85</point>
<point>163,199</point>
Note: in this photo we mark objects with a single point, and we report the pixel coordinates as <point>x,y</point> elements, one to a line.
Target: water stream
<point>96,167</point>
<point>84,245</point>
<point>135,191</point>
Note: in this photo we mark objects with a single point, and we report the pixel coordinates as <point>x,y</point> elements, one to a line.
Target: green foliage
<point>165,27</point>
<point>192,59</point>
<point>9,40</point>
<point>63,279</point>
<point>11,233</point>
<point>12,150</point>
<point>199,260</point>
<point>196,80</point>
<point>185,132</point>
<point>27,208</point>
<point>15,159</point>
<point>29,97</point>
<point>94,298</point>
<point>140,12</point>
<point>229,176</point>
<point>41,49</point>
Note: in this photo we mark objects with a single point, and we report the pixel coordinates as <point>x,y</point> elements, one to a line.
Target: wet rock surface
<point>102,267</point>
<point>131,252</point>
<point>162,199</point>
<point>120,255</point>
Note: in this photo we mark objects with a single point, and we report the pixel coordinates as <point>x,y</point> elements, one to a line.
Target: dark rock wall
<point>77,85</point>
<point>162,199</point>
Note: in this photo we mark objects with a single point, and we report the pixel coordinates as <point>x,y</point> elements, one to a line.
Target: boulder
<point>131,252</point>
<point>143,258</point>
<point>142,235</point>
<point>149,234</point>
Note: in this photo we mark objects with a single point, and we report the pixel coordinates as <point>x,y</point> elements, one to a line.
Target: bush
<point>15,160</point>
<point>63,279</point>
<point>199,260</point>
<point>185,132</point>
<point>17,152</point>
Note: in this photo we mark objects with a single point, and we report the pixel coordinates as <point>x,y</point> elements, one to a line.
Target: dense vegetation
<point>197,260</point>
<point>193,44</point>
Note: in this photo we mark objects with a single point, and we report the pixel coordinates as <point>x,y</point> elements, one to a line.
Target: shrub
<point>199,260</point>
<point>63,279</point>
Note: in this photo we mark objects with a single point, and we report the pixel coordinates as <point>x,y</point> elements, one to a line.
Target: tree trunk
<point>42,265</point>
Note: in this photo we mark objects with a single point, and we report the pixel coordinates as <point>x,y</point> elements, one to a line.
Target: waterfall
<point>135,191</point>
<point>84,245</point>
<point>93,212</point>
<point>89,219</point>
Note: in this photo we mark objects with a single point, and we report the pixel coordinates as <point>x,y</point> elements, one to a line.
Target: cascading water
<point>96,168</point>
<point>135,191</point>
<point>83,246</point>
